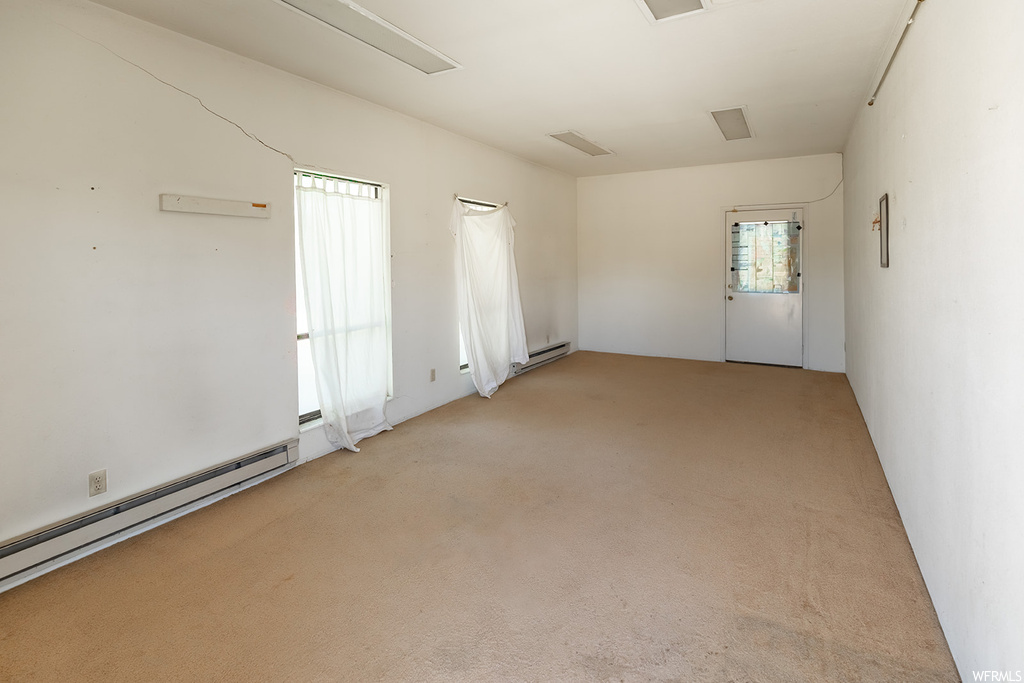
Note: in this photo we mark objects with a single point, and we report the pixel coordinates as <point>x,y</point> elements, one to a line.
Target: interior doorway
<point>764,292</point>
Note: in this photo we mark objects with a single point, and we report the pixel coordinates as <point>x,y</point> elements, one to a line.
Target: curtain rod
<point>489,205</point>
<point>892,59</point>
<point>319,174</point>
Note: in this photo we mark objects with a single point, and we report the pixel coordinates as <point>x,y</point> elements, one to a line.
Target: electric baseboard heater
<point>27,555</point>
<point>541,357</point>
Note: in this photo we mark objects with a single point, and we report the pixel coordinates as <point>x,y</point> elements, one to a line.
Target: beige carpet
<point>601,518</point>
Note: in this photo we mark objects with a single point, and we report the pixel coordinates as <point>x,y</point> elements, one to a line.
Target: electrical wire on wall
<point>871,102</point>
<point>737,207</point>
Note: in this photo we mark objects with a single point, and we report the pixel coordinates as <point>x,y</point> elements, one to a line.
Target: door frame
<point>726,261</point>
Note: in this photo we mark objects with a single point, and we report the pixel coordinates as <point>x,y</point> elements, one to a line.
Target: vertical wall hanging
<point>883,228</point>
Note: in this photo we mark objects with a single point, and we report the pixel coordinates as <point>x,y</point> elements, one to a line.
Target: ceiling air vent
<point>733,123</point>
<point>574,139</point>
<point>365,26</point>
<point>660,10</point>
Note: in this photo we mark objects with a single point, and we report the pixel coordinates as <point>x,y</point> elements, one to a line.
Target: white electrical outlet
<point>433,374</point>
<point>97,482</point>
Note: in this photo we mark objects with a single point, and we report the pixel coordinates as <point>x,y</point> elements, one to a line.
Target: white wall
<point>934,343</point>
<point>652,256</point>
<point>158,344</point>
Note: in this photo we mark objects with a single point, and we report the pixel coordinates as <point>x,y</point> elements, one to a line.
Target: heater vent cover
<point>574,139</point>
<point>662,10</point>
<point>733,123</point>
<point>365,26</point>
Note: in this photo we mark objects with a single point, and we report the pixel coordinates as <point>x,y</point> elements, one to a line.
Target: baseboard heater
<point>48,546</point>
<point>541,357</point>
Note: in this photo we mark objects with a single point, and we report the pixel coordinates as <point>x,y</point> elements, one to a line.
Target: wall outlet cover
<point>97,482</point>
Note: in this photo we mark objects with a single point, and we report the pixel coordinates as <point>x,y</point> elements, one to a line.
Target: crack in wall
<point>202,104</point>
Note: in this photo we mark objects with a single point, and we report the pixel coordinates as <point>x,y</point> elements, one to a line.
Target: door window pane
<point>766,257</point>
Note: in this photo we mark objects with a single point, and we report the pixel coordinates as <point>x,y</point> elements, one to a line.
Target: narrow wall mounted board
<point>217,207</point>
<point>883,228</point>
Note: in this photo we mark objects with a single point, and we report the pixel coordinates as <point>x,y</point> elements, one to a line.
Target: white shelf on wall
<point>217,207</point>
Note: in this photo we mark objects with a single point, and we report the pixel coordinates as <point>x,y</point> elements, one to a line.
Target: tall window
<point>490,311</point>
<point>463,356</point>
<point>343,302</point>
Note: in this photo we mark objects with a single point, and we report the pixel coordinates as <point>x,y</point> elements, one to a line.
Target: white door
<point>763,308</point>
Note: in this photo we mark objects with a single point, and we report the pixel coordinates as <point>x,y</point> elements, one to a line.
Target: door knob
<point>730,298</point>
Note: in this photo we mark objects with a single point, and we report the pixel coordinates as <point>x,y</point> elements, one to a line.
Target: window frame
<point>381,191</point>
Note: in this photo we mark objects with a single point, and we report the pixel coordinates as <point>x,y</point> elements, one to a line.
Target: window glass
<point>766,257</point>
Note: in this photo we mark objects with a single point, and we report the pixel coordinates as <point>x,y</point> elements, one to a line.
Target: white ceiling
<point>532,67</point>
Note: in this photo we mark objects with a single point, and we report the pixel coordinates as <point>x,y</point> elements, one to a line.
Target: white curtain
<point>343,244</point>
<point>490,312</point>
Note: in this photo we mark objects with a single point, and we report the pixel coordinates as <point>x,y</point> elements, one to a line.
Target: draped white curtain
<point>344,251</point>
<point>490,311</point>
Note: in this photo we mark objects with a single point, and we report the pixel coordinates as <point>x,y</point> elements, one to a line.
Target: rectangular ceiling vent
<point>574,139</point>
<point>663,10</point>
<point>733,123</point>
<point>365,26</point>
